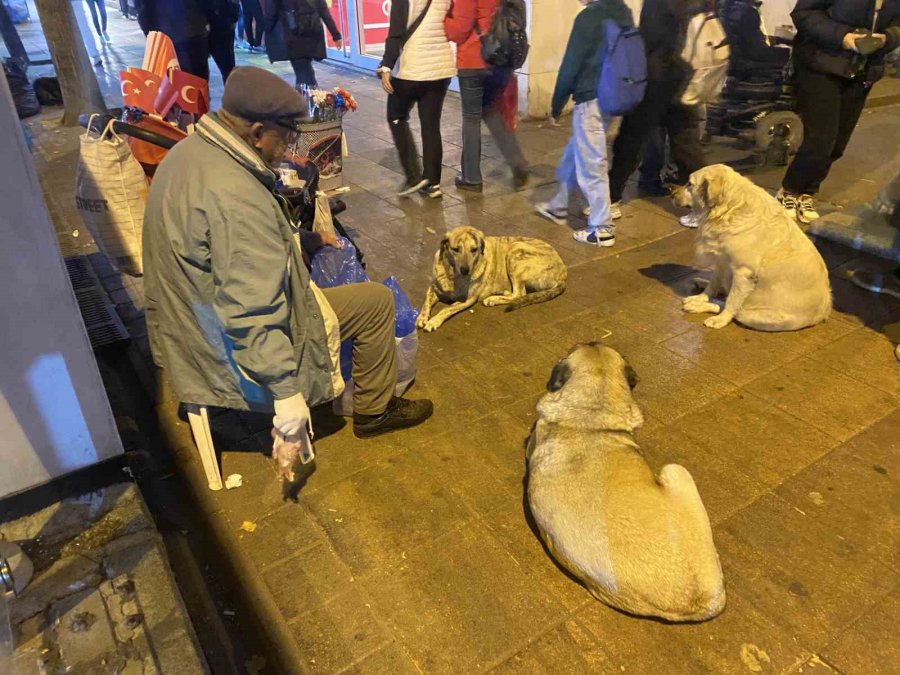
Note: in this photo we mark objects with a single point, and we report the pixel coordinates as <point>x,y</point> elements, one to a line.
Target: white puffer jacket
<point>427,55</point>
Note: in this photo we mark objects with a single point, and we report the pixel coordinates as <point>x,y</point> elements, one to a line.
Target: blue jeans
<point>584,164</point>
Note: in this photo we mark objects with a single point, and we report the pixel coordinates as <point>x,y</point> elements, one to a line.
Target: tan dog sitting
<point>639,542</point>
<point>772,275</point>
<point>471,268</point>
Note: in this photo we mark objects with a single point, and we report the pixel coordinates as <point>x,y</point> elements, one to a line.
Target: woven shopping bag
<point>110,194</point>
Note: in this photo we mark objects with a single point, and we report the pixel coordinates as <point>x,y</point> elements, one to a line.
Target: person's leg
<point>398,106</point>
<point>633,133</point>
<point>431,107</point>
<point>365,313</point>
<point>653,159</point>
<point>101,8</point>
<point>257,20</point>
<point>304,72</point>
<point>853,100</point>
<point>193,56</point>
<point>557,209</point>
<point>92,6</point>
<point>591,164</point>
<point>684,141</point>
<point>221,48</point>
<point>506,140</point>
<point>818,104</point>
<point>471,92</point>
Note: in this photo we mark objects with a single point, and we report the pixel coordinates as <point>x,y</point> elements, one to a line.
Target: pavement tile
<point>866,356</point>
<point>373,517</point>
<point>655,314</point>
<point>308,580</point>
<point>830,401</point>
<point>442,603</point>
<point>338,634</point>
<point>870,645</point>
<point>798,572</point>
<point>753,436</point>
<point>741,639</point>
<point>570,648</point>
<point>854,491</point>
<point>282,534</point>
<point>724,485</point>
<point>860,307</point>
<point>389,660</point>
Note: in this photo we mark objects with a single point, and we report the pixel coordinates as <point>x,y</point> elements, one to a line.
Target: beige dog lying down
<point>639,543</point>
<point>772,275</point>
<point>470,268</point>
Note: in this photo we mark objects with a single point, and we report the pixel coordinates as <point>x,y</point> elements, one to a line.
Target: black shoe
<point>652,189</point>
<point>520,178</point>
<point>401,413</point>
<point>468,187</point>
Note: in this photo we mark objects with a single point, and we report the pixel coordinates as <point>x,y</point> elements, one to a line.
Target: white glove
<point>293,425</point>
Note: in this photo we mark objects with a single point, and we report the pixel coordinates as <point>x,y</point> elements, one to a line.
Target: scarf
<point>212,130</point>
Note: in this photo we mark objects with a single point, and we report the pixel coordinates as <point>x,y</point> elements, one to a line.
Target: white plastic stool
<point>199,419</point>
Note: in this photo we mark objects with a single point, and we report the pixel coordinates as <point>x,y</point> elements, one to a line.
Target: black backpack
<point>505,45</point>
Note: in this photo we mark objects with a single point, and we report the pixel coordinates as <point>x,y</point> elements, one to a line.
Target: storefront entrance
<point>364,25</point>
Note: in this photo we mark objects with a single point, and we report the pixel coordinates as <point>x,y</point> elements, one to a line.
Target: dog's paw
<point>702,298</point>
<point>422,321</point>
<point>495,301</point>
<point>432,325</point>
<point>718,321</point>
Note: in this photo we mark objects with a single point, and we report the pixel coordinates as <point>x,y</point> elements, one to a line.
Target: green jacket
<point>581,64</point>
<point>231,313</point>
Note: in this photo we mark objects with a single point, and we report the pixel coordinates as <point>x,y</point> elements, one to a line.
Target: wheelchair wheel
<point>764,129</point>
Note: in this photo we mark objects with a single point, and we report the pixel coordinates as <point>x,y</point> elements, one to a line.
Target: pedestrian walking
<point>664,27</point>
<point>254,22</point>
<point>186,24</point>
<point>98,15</point>
<point>480,86</point>
<point>839,54</point>
<point>223,16</point>
<point>416,70</point>
<point>584,162</point>
<point>294,33</point>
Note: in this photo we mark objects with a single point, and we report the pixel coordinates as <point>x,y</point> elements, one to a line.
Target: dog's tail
<point>535,298</point>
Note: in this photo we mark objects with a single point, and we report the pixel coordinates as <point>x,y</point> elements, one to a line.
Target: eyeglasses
<point>292,125</point>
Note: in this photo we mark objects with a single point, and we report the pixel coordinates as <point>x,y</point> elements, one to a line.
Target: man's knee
<point>379,298</point>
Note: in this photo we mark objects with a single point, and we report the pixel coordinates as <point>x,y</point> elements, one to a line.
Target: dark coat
<point>282,44</point>
<point>181,20</point>
<point>822,25</point>
<point>664,29</point>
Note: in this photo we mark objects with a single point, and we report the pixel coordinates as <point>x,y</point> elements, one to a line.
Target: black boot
<point>400,414</point>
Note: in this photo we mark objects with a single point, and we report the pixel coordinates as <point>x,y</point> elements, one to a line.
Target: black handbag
<point>303,24</point>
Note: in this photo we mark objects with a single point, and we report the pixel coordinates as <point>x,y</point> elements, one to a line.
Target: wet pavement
<point>413,553</point>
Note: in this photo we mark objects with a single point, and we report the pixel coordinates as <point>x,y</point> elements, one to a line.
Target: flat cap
<point>256,94</point>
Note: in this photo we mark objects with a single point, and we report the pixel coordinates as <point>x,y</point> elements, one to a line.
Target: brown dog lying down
<point>771,274</point>
<point>639,542</point>
<point>471,268</point>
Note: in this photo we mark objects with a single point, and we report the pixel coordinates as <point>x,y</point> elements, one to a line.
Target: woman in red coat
<point>480,86</point>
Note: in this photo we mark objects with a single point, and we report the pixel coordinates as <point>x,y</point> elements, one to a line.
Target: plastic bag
<point>406,314</point>
<point>331,267</point>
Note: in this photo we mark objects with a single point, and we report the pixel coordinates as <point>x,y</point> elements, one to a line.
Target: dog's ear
<point>445,244</point>
<point>631,376</point>
<point>714,188</point>
<point>559,376</point>
<point>481,240</point>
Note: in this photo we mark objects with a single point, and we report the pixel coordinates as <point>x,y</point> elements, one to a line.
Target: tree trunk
<point>80,90</point>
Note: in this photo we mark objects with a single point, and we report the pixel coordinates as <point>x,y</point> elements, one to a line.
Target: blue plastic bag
<point>332,267</point>
<point>405,313</point>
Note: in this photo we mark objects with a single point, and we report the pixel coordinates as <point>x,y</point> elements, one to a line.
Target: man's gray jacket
<point>232,315</point>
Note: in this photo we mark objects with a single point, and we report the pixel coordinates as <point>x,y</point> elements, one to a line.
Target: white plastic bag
<point>706,49</point>
<point>110,194</point>
<point>407,349</point>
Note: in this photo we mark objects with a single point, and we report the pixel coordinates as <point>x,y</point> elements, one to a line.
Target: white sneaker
<point>806,210</point>
<point>602,237</point>
<point>615,210</point>
<point>691,220</point>
<point>411,188</point>
<point>543,209</point>
<point>106,38</point>
<point>788,202</point>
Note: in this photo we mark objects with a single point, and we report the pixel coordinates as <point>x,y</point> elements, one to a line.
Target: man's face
<point>272,139</point>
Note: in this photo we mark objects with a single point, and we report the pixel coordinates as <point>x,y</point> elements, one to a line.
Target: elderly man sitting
<point>232,314</point>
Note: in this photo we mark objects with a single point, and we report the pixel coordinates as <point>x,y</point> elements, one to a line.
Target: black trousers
<point>221,47</point>
<point>830,107</point>
<point>657,109</point>
<point>429,96</point>
<point>304,73</point>
<point>254,21</point>
<point>193,55</point>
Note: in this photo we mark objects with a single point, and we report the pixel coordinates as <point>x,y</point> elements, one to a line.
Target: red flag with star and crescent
<point>189,92</point>
<point>139,89</point>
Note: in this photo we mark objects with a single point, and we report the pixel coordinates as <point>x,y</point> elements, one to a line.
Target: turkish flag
<point>138,90</point>
<point>189,92</point>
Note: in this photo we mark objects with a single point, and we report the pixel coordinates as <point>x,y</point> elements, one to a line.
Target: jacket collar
<point>214,131</point>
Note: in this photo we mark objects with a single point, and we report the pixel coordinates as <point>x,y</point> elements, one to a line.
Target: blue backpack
<point>623,75</point>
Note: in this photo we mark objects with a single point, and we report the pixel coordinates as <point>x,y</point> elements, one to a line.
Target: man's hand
<point>330,239</point>
<point>291,415</point>
<point>849,41</point>
<point>386,81</point>
<point>339,44</point>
